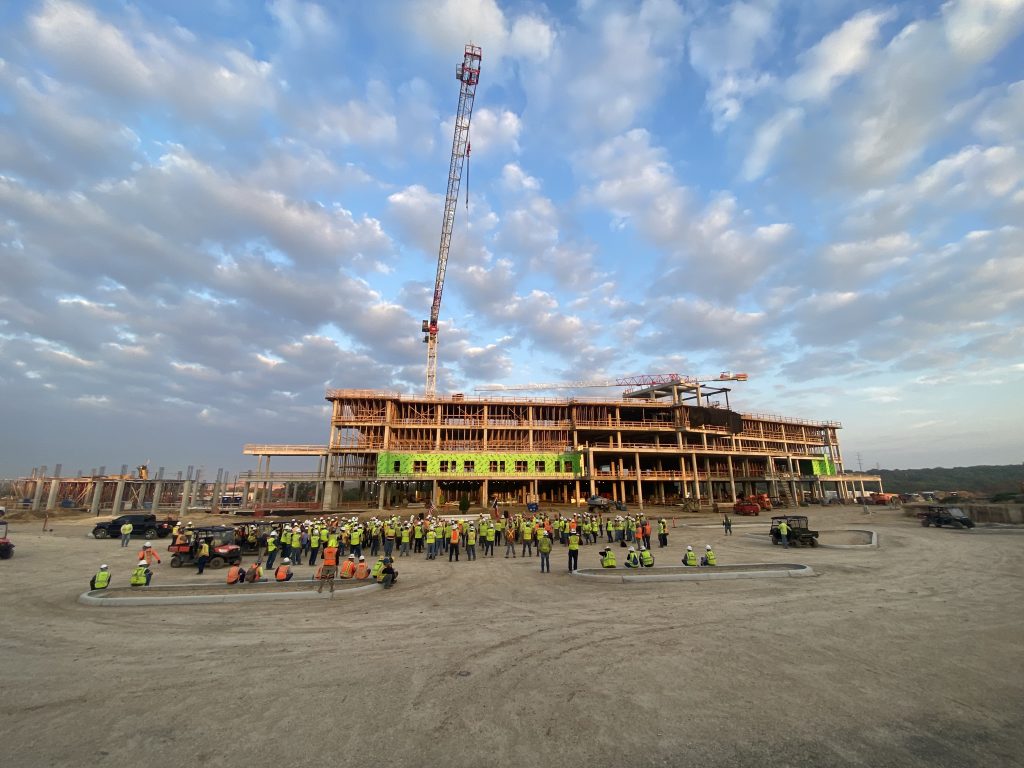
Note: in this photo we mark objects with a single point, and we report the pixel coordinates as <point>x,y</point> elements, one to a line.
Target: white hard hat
<point>104,567</point>
<point>147,544</point>
<point>286,561</point>
<point>632,549</point>
<point>142,562</point>
<point>689,548</point>
<point>361,557</point>
<point>707,546</point>
<point>351,557</point>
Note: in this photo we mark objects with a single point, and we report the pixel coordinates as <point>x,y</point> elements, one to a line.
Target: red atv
<point>223,550</point>
<point>746,507</point>
<point>6,548</point>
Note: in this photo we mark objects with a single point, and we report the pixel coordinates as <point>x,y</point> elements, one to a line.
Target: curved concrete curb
<point>689,573</point>
<point>90,598</point>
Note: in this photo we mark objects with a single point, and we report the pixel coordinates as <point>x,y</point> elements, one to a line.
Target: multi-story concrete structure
<point>657,444</point>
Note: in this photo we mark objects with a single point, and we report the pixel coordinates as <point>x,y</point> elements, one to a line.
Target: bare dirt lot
<point>909,655</point>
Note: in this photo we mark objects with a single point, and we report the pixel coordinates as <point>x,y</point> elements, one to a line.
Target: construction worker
<point>647,533</point>
<point>378,567</point>
<point>608,558</point>
<point>709,558</point>
<point>663,532</point>
<point>689,557</point>
<point>527,532</point>
<point>632,558</point>
<point>510,538</point>
<point>646,557</point>
<point>314,545</point>
<point>431,537</point>
<point>348,567</point>
<point>355,540</point>
<point>284,571</point>
<point>330,567</point>
<point>727,525</point>
<point>453,544</point>
<point>102,578</point>
<point>141,576</point>
<point>388,574</point>
<point>126,534</point>
<point>362,569</point>
<point>574,551</point>
<point>202,556</point>
<point>417,534</point>
<point>236,574</point>
<point>254,573</point>
<point>471,543</point>
<point>784,533</point>
<point>544,550</point>
<point>389,538</point>
<point>406,535</point>
<point>272,549</point>
<point>149,554</point>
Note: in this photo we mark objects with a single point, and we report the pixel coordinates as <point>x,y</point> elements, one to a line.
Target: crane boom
<point>637,380</point>
<point>468,75</point>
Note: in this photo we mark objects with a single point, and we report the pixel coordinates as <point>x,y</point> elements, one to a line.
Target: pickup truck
<point>142,525</point>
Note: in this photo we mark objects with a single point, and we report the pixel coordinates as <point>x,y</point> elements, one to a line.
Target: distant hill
<point>983,480</point>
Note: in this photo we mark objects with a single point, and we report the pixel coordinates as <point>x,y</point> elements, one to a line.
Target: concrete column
<point>37,497</point>
<point>51,500</point>
<point>732,478</point>
<point>381,493</point>
<point>158,490</point>
<point>696,476</point>
<point>485,497</point>
<point>792,481</point>
<point>246,488</point>
<point>590,471</point>
<point>97,494</point>
<point>118,497</point>
<point>186,492</point>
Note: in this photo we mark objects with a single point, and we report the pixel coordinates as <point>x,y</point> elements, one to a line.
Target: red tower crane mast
<point>468,75</point>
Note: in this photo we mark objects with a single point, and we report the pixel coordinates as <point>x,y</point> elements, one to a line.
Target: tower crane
<point>630,382</point>
<point>468,75</point>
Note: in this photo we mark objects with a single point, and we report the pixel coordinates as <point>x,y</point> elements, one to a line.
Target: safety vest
<point>574,541</point>
<point>126,528</point>
<point>377,568</point>
<point>204,550</point>
<point>418,532</point>
<point>711,557</point>
<point>431,536</point>
<point>455,535</point>
<point>608,559</point>
<point>254,573</point>
<point>281,573</point>
<point>297,540</point>
<point>405,535</point>
<point>690,558</point>
<point>271,545</point>
<point>633,560</point>
<point>544,545</point>
<point>235,575</point>
<point>527,532</point>
<point>331,555</point>
<point>646,558</point>
<point>662,526</point>
<point>362,570</point>
<point>347,569</point>
<point>490,534</point>
<point>314,539</point>
<point>355,537</point>
<point>138,577</point>
<point>389,532</point>
<point>783,529</point>
<point>471,538</point>
<point>102,579</point>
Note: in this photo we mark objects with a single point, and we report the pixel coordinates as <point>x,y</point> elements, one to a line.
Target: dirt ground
<point>909,655</point>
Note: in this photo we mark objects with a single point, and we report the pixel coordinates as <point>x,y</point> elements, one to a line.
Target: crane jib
<point>468,75</point>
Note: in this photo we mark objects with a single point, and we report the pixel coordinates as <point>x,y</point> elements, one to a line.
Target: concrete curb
<point>90,598</point>
<point>689,573</point>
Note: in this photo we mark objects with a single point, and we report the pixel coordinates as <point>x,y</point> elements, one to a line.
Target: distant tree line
<point>983,480</point>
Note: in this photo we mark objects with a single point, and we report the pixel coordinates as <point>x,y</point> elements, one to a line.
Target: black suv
<point>142,525</point>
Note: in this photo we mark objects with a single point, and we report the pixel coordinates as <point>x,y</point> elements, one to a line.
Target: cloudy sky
<point>210,212</point>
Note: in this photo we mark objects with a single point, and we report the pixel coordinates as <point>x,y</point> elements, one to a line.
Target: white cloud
<point>1003,118</point>
<point>302,23</point>
<point>978,29</point>
<point>838,55</point>
<point>490,131</point>
<point>768,139</point>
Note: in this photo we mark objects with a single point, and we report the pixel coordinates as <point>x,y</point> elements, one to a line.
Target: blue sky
<point>212,212</point>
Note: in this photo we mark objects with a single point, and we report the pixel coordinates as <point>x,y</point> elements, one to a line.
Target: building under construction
<point>662,443</point>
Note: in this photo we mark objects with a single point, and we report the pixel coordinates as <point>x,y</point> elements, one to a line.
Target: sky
<point>212,212</point>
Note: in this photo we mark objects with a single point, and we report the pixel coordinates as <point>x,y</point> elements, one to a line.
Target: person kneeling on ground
<point>632,558</point>
<point>141,576</point>
<point>284,571</point>
<point>709,556</point>
<point>348,568</point>
<point>608,558</point>
<point>102,578</point>
<point>236,574</point>
<point>646,557</point>
<point>378,567</point>
<point>255,572</point>
<point>689,557</point>
<point>362,569</point>
<point>388,575</point>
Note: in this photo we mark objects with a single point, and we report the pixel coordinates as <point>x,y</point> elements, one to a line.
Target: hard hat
<point>351,557</point>
<point>147,544</point>
<point>286,561</point>
<point>707,546</point>
<point>689,548</point>
<point>632,549</point>
<point>142,562</point>
<point>104,567</point>
<point>643,548</point>
<point>361,557</point>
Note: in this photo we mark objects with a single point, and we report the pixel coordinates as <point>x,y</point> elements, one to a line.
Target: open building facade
<point>661,444</point>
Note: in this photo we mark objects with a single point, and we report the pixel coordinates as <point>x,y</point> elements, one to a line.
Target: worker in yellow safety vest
<point>632,558</point>
<point>646,557</point>
<point>690,557</point>
<point>102,578</point>
<point>710,558</point>
<point>608,558</point>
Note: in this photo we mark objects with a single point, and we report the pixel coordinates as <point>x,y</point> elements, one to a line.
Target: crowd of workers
<point>335,546</point>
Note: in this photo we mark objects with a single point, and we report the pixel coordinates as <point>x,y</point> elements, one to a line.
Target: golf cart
<point>221,538</point>
<point>799,533</point>
<point>6,548</point>
<point>954,517</point>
